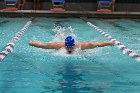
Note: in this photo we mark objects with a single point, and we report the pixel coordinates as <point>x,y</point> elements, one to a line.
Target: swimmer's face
<point>69,49</point>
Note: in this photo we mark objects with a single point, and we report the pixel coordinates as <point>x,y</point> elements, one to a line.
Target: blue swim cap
<point>69,41</point>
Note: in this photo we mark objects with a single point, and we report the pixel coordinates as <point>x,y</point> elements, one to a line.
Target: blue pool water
<point>100,70</point>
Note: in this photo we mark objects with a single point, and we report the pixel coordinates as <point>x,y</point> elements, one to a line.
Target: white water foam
<point>63,52</point>
<point>62,33</point>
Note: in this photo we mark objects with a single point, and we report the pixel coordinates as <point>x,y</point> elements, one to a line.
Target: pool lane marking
<point>10,46</point>
<point>122,47</point>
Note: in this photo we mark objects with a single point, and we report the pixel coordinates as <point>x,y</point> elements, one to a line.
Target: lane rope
<point>121,46</point>
<point>10,46</point>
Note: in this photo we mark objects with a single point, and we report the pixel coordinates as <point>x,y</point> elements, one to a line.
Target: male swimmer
<point>69,44</point>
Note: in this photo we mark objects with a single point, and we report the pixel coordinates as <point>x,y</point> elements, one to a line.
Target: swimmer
<point>69,44</point>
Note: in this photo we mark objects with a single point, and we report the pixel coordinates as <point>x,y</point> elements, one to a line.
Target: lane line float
<point>10,46</point>
<point>121,46</point>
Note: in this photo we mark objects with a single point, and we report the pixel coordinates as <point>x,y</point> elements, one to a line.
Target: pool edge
<point>93,14</point>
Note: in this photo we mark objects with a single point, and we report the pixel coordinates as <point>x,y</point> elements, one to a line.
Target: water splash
<point>63,52</point>
<point>62,32</point>
<point>138,59</point>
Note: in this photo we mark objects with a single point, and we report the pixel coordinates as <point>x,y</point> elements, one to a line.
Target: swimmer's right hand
<point>32,43</point>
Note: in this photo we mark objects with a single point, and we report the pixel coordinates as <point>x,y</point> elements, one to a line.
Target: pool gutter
<point>41,13</point>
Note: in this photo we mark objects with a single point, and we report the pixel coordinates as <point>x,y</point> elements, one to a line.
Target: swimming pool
<point>101,70</point>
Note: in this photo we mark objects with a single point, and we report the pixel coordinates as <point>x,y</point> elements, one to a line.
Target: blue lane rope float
<point>122,47</point>
<point>10,46</point>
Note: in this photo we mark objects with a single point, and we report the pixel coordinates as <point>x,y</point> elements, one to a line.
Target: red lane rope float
<point>10,9</point>
<point>104,10</point>
<point>57,9</point>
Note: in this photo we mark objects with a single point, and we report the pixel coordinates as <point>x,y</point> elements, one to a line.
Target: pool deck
<point>44,13</point>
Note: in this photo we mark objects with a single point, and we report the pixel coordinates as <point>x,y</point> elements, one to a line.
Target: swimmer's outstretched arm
<point>51,45</point>
<point>58,45</point>
<point>90,45</point>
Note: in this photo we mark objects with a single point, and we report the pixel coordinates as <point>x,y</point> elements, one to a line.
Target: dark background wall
<point>87,5</point>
